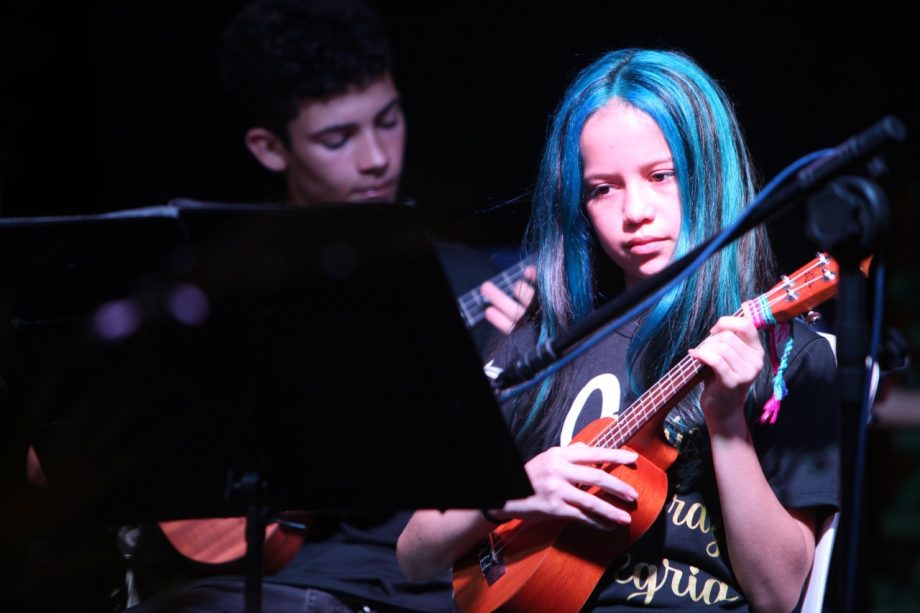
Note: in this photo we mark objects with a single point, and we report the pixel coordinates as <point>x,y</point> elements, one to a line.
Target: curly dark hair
<point>278,53</point>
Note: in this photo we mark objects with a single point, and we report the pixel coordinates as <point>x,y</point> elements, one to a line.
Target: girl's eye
<point>662,175</point>
<point>599,190</point>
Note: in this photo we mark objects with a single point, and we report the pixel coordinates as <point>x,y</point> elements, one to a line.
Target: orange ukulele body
<point>222,541</point>
<point>555,565</point>
<point>548,554</point>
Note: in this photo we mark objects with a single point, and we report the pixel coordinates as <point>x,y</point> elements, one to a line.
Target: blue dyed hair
<point>715,180</point>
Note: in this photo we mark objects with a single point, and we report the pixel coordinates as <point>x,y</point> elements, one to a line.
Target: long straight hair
<point>715,181</point>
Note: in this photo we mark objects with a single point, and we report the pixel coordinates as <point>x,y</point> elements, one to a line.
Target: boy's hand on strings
<point>504,311</point>
<point>555,476</point>
<point>735,355</point>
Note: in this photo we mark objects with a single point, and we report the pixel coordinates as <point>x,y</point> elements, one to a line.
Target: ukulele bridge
<point>490,560</point>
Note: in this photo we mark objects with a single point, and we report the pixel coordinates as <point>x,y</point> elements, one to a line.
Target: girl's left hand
<point>735,355</point>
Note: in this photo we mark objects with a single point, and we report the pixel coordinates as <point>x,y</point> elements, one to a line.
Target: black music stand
<point>222,361</point>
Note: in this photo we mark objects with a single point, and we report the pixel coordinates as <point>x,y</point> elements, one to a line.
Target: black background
<point>117,105</point>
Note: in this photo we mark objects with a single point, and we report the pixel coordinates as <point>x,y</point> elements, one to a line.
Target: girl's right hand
<point>555,476</point>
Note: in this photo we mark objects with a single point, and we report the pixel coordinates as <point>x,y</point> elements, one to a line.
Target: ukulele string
<point>648,403</point>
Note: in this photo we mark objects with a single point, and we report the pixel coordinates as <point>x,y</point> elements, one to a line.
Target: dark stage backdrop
<point>114,105</point>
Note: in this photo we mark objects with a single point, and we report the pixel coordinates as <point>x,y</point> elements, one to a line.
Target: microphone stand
<point>849,218</point>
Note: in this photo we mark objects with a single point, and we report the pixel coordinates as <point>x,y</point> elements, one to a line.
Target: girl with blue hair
<point>644,161</point>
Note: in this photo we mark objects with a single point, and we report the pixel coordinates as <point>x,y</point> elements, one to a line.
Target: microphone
<point>887,130</point>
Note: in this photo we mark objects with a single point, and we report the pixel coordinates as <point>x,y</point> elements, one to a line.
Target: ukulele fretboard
<point>473,305</point>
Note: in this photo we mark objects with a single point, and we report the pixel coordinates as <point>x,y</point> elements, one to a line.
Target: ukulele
<point>222,541</point>
<point>473,305</point>
<point>555,565</point>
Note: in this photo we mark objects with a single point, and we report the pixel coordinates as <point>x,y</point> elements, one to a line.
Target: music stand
<point>317,355</point>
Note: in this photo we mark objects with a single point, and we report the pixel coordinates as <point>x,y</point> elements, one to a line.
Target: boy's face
<point>347,149</point>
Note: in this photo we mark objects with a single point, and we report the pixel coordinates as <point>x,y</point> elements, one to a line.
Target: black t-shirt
<point>356,556</point>
<point>681,562</point>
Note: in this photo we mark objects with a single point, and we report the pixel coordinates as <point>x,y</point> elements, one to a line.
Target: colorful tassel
<point>771,407</point>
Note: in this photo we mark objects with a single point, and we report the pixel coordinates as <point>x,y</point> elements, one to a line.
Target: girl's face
<point>632,197</point>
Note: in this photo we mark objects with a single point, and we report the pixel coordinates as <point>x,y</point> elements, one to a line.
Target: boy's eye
<point>390,119</point>
<point>333,140</point>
